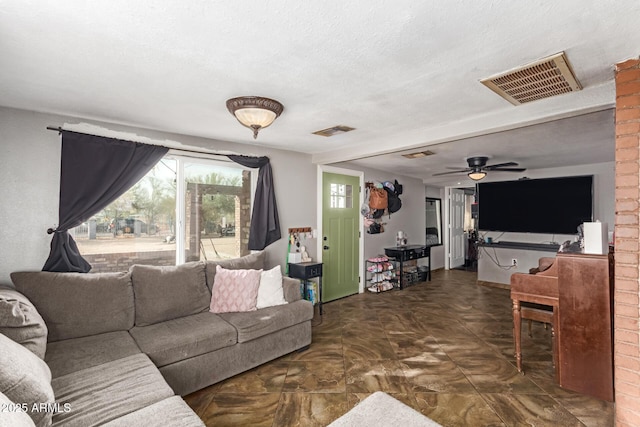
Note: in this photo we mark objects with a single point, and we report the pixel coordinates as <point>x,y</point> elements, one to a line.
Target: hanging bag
<point>364,209</point>
<point>375,228</point>
<point>393,201</point>
<point>378,198</point>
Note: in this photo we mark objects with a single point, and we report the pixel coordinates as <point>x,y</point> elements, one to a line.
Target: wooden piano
<point>579,289</point>
<point>538,288</point>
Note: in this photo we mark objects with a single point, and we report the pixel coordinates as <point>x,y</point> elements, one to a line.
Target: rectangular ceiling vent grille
<point>336,130</point>
<point>419,154</point>
<point>547,77</point>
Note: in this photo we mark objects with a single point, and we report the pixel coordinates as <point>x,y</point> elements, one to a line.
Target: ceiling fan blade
<point>457,168</point>
<point>452,172</point>
<point>500,165</point>
<point>509,169</point>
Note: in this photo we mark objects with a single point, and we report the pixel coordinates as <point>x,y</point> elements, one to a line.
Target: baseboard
<point>493,284</point>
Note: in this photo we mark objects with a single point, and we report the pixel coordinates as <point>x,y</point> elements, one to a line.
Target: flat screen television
<point>550,205</point>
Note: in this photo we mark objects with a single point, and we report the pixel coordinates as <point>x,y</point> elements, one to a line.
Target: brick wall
<point>243,213</point>
<point>627,248</point>
<point>113,263</point>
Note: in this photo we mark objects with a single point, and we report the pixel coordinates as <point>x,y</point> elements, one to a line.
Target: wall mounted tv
<point>550,205</point>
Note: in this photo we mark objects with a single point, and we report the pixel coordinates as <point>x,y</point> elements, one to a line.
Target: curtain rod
<point>60,130</point>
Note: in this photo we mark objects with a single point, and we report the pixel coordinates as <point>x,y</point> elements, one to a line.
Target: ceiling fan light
<point>254,112</point>
<point>477,175</point>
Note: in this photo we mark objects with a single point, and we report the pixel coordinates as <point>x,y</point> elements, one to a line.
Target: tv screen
<point>550,205</point>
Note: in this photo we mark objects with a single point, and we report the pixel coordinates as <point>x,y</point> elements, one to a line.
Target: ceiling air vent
<point>418,154</point>
<point>336,130</point>
<point>547,77</point>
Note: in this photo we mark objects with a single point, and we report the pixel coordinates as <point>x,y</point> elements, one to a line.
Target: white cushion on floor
<point>382,410</point>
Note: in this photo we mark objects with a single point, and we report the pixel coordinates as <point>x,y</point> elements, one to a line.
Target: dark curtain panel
<point>265,224</point>
<point>94,172</point>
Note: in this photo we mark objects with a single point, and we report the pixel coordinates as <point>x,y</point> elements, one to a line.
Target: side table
<point>401,254</point>
<point>306,271</point>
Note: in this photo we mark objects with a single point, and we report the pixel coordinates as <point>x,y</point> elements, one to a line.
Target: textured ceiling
<point>578,140</point>
<point>405,74</point>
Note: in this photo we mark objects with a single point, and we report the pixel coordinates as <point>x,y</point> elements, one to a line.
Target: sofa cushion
<point>235,290</point>
<point>20,321</point>
<point>252,325</point>
<point>105,392</point>
<point>25,379</point>
<point>79,304</point>
<point>13,414</point>
<point>253,261</point>
<point>178,339</point>
<point>169,292</point>
<point>64,357</point>
<point>172,411</point>
<point>291,289</point>
<point>270,291</point>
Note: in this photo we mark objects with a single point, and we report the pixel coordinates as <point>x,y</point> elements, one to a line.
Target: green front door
<point>340,234</point>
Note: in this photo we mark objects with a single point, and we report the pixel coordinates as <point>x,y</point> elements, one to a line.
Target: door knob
<point>325,247</point>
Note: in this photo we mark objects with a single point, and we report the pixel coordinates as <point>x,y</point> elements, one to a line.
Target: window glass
<point>138,227</point>
<point>341,196</point>
<point>142,226</point>
<point>217,210</point>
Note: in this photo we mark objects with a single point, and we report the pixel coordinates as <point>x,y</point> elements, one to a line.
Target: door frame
<point>319,204</point>
<point>447,221</point>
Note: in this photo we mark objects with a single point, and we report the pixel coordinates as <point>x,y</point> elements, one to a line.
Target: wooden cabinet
<point>585,332</point>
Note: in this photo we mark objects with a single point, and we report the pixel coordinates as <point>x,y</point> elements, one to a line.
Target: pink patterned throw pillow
<point>234,290</point>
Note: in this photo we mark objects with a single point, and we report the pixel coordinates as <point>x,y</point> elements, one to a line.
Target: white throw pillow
<point>270,292</point>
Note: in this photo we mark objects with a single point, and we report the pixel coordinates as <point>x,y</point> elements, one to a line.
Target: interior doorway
<point>456,228</point>
<point>461,219</point>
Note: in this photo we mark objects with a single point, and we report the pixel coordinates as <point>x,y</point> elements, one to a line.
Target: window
<point>341,196</point>
<point>182,210</point>
<point>217,201</point>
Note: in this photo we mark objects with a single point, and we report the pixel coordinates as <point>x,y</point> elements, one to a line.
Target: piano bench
<point>533,313</point>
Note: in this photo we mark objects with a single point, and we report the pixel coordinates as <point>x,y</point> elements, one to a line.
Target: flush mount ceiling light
<point>254,112</point>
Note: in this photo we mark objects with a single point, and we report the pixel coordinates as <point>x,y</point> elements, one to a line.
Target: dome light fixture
<point>477,174</point>
<point>254,112</point>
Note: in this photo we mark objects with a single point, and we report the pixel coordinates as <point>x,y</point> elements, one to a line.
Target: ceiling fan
<point>478,168</point>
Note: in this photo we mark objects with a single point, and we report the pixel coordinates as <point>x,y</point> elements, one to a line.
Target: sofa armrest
<point>291,289</point>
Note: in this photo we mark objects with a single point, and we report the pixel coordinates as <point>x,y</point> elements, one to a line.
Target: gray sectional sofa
<point>119,349</point>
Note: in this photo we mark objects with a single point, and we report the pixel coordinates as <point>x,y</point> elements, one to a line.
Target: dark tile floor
<point>443,347</point>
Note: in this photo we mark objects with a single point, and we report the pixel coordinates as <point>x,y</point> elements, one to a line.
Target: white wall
<point>30,180</point>
<point>604,210</point>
